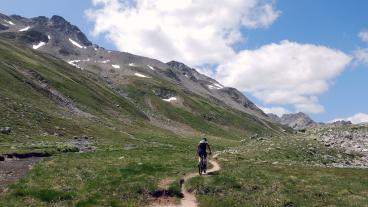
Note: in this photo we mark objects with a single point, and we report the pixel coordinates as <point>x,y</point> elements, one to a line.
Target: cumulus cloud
<point>355,119</point>
<point>361,56</point>
<point>363,35</point>
<point>203,32</point>
<point>279,111</point>
<point>287,73</point>
<point>193,31</point>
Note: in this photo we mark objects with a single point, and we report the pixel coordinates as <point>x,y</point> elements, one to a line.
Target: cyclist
<point>202,151</point>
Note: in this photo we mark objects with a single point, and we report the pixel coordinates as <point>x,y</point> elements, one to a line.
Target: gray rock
<point>6,130</point>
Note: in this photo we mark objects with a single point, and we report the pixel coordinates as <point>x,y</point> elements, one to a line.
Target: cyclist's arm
<point>209,148</point>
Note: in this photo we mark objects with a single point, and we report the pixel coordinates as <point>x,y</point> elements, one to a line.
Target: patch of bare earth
<point>13,169</point>
<point>189,199</point>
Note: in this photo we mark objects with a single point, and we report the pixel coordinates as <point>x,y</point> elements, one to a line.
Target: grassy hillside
<point>139,139</point>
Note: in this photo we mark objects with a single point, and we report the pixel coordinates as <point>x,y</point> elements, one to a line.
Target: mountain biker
<point>202,151</point>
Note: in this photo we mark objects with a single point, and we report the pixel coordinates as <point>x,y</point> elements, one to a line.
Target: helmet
<point>203,140</point>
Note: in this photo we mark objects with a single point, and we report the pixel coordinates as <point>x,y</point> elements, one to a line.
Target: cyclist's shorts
<point>202,154</point>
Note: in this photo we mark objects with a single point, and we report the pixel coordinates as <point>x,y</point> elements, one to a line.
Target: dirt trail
<point>189,200</point>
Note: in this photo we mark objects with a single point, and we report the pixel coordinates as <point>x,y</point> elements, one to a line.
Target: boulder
<point>6,130</point>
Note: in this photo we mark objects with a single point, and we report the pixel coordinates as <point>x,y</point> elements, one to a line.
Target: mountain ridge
<point>58,37</point>
<point>297,121</point>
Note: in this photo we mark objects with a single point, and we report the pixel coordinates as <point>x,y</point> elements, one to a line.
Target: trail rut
<point>189,199</point>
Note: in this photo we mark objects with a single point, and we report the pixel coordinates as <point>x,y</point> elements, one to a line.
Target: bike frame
<point>201,165</point>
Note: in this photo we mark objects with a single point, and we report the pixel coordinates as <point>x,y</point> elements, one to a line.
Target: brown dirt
<point>13,169</point>
<point>164,183</point>
<point>189,200</point>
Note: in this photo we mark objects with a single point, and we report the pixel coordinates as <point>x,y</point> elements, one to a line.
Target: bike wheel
<point>201,166</point>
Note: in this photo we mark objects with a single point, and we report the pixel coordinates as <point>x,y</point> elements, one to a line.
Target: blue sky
<point>329,23</point>
<point>332,23</point>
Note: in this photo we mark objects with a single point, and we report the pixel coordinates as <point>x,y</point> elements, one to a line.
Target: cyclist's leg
<point>199,158</point>
<point>205,161</point>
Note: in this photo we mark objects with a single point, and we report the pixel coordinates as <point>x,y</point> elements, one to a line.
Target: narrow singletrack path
<point>189,199</point>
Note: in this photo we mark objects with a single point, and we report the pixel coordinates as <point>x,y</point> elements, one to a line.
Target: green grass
<point>271,170</point>
<point>281,170</point>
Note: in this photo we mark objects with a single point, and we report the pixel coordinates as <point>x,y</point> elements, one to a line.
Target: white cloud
<point>361,56</point>
<point>285,73</point>
<point>193,31</point>
<point>355,119</point>
<point>206,70</point>
<point>363,35</point>
<point>279,111</point>
<point>202,32</point>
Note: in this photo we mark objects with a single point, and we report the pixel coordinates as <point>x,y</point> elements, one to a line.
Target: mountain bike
<point>202,165</point>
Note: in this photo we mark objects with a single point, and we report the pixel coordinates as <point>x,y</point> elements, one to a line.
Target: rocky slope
<point>352,139</point>
<point>93,82</point>
<point>59,38</point>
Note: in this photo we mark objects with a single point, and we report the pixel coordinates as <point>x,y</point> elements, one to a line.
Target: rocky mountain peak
<point>296,121</point>
<point>56,19</point>
<point>299,115</point>
<point>180,66</point>
<point>274,117</point>
<point>177,65</point>
<point>41,20</point>
<point>62,25</point>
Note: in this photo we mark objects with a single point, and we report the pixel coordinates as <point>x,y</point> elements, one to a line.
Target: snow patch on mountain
<point>74,63</point>
<point>35,47</point>
<point>140,75</point>
<point>76,44</point>
<point>105,61</point>
<point>215,86</point>
<point>25,29</point>
<point>116,66</point>
<point>9,22</point>
<point>150,67</point>
<point>170,99</point>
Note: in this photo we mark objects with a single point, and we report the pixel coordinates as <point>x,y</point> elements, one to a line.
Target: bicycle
<point>202,165</point>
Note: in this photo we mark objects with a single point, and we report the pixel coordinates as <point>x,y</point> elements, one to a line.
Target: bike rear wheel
<point>201,166</point>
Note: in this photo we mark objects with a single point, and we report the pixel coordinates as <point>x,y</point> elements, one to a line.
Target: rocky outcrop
<point>58,23</point>
<point>3,27</point>
<point>164,93</point>
<point>5,130</point>
<point>353,139</point>
<point>206,86</point>
<point>33,36</point>
<point>274,118</point>
<point>340,123</point>
<point>297,121</point>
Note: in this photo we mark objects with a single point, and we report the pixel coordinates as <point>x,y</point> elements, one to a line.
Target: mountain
<point>59,38</point>
<point>296,121</point>
<point>172,95</point>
